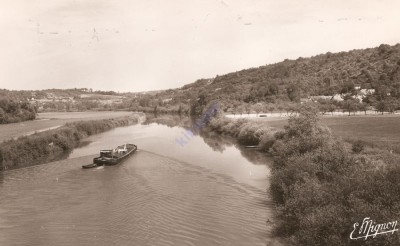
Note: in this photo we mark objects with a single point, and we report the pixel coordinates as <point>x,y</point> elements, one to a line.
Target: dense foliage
<point>247,132</point>
<point>320,184</point>
<point>13,111</point>
<point>52,144</point>
<point>322,189</point>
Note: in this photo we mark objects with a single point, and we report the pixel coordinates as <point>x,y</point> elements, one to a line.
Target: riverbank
<point>57,143</point>
<point>288,114</point>
<point>321,184</point>
<point>47,121</point>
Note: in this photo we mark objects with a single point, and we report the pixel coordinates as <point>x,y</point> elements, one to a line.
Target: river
<point>208,191</point>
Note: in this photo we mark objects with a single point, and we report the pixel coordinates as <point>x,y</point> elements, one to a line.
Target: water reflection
<point>215,141</point>
<point>170,120</point>
<point>207,192</point>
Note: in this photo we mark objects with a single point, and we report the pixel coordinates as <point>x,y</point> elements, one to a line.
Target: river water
<point>207,191</point>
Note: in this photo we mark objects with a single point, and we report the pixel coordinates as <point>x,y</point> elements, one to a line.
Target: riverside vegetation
<point>322,185</point>
<point>13,111</point>
<point>54,144</point>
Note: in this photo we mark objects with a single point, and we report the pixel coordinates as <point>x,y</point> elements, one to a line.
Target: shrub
<point>12,111</point>
<point>267,140</point>
<point>218,123</point>
<point>358,146</point>
<point>248,134</point>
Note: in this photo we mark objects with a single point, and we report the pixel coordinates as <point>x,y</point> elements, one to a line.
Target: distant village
<point>76,100</point>
<point>360,94</point>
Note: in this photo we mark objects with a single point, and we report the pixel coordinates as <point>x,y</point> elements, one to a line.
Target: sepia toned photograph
<point>199,123</point>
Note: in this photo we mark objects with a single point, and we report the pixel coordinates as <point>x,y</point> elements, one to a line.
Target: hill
<point>376,69</point>
<point>357,80</point>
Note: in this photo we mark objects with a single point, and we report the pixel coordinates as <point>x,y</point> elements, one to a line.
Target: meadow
<point>376,130</point>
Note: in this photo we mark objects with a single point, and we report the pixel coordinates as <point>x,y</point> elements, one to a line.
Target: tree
<point>381,92</point>
<point>231,111</point>
<point>331,108</point>
<point>291,108</point>
<point>391,104</point>
<point>241,109</point>
<point>279,108</point>
<point>350,105</point>
<point>155,110</point>
<point>273,89</point>
<point>380,106</point>
<point>197,105</point>
<point>179,109</point>
<point>270,107</point>
<point>3,116</point>
<point>68,107</point>
<point>347,88</point>
<point>144,101</point>
<point>293,93</point>
<point>258,107</point>
<point>248,109</point>
<point>364,107</point>
<point>323,108</point>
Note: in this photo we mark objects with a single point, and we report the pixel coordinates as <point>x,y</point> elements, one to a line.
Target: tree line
<point>16,111</point>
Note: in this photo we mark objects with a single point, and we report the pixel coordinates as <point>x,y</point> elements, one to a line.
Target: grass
<point>50,120</point>
<point>376,130</point>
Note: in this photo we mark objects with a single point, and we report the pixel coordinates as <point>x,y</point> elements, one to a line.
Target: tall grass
<point>52,144</point>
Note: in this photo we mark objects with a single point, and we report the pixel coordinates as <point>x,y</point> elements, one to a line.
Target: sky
<point>131,45</point>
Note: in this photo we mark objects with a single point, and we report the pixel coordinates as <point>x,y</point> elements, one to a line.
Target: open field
<point>371,128</point>
<point>47,121</point>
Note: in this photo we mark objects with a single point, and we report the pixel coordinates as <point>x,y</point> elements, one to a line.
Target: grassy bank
<point>47,121</point>
<point>54,144</point>
<point>322,185</point>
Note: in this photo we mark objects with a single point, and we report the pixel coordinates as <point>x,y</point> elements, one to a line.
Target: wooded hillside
<point>288,81</point>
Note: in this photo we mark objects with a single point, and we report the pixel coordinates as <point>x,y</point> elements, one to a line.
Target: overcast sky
<point>131,45</point>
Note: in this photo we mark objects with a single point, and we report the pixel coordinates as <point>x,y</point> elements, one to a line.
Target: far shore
<point>52,120</point>
<point>373,128</point>
<point>282,115</point>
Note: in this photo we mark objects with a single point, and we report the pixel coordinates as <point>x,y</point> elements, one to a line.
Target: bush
<point>358,146</point>
<point>13,111</point>
<point>267,140</point>
<point>248,134</point>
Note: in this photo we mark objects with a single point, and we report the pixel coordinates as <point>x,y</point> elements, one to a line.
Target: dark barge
<point>112,157</point>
